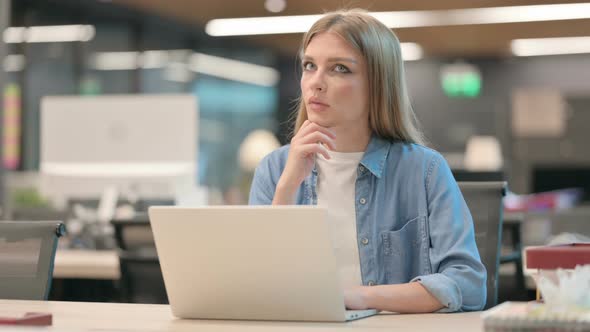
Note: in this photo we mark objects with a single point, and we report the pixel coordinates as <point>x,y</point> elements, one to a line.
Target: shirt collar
<point>376,155</point>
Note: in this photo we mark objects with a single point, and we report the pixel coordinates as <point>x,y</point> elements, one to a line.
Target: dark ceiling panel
<point>447,41</point>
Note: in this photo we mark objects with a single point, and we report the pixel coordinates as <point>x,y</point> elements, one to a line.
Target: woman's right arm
<point>304,146</point>
<point>300,162</point>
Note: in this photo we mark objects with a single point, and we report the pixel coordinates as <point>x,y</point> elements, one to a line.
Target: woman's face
<point>334,84</point>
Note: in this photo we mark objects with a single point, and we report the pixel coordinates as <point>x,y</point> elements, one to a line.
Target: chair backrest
<point>463,175</point>
<point>484,200</point>
<point>27,253</point>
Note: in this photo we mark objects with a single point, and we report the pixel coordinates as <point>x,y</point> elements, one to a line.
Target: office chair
<point>141,276</point>
<point>484,200</point>
<point>27,253</point>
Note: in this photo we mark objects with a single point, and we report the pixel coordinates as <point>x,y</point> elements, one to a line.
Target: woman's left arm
<point>458,279</point>
<point>403,298</point>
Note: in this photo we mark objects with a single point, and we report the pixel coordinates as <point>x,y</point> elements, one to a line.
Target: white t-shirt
<point>336,191</point>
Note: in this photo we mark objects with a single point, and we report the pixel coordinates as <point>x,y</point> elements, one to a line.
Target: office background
<point>229,110</point>
<point>157,47</point>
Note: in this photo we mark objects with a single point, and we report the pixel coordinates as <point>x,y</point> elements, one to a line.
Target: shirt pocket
<point>405,252</point>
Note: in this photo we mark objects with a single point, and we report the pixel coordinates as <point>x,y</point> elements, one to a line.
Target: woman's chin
<point>320,120</point>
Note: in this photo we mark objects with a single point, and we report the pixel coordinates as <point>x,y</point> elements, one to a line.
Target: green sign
<point>462,85</point>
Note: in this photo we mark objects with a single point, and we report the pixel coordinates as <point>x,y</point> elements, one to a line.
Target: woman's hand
<point>356,298</point>
<point>304,146</point>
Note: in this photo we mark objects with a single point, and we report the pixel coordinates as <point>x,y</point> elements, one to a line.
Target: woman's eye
<point>341,69</point>
<point>308,66</point>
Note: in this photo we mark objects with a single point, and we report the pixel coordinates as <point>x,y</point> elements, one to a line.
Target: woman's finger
<point>311,127</point>
<point>318,137</point>
<point>308,149</point>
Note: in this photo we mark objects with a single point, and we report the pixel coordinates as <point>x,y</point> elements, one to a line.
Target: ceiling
<point>484,40</point>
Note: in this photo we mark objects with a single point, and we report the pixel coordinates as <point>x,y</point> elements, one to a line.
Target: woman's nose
<point>318,82</point>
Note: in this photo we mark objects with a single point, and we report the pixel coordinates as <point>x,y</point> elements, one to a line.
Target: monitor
<point>140,144</point>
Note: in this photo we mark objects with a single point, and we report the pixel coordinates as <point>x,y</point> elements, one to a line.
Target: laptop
<point>249,263</point>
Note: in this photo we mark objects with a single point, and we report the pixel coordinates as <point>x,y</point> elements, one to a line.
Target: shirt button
<point>371,283</point>
<point>361,168</point>
<point>363,201</point>
<point>365,241</point>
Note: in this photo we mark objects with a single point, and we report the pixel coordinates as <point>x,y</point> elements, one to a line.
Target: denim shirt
<point>412,221</point>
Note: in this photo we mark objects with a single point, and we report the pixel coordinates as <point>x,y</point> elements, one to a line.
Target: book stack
<point>534,316</point>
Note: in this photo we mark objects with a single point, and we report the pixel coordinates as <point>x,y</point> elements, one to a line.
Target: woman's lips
<point>317,105</point>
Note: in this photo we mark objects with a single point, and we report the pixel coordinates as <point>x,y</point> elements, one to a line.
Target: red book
<point>29,318</point>
<point>559,256</point>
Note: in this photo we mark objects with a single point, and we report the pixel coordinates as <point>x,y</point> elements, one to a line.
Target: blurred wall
<point>448,122</point>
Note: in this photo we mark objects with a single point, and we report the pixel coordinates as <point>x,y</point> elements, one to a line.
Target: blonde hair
<point>390,113</point>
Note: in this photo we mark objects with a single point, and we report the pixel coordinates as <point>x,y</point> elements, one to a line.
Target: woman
<point>403,235</point>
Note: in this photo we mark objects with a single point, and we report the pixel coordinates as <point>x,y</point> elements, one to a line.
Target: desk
<point>86,264</point>
<point>86,275</point>
<point>104,317</point>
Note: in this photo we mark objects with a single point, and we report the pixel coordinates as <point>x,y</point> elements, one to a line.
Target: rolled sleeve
<point>445,289</point>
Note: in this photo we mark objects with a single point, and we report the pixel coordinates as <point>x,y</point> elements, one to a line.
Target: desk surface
<point>104,317</point>
<point>86,264</point>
